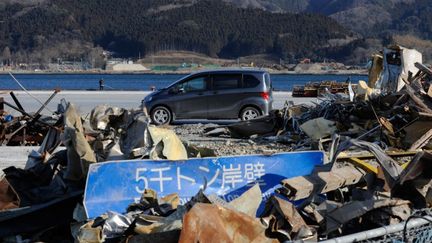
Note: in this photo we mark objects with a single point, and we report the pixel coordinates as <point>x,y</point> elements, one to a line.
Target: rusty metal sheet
<point>225,226</point>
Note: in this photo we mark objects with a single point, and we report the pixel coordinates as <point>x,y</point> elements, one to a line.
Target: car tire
<point>161,115</point>
<point>249,113</point>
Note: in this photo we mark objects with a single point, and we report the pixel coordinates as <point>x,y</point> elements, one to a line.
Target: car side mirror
<point>176,90</point>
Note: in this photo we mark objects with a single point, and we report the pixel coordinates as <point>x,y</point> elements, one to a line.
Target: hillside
<point>368,17</point>
<point>377,22</point>
<point>64,29</point>
<point>44,31</point>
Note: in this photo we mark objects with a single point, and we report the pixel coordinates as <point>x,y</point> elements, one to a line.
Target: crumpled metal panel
<point>88,234</point>
<point>80,154</point>
<point>284,221</point>
<point>136,135</point>
<point>101,116</point>
<point>115,224</point>
<point>212,223</point>
<point>173,148</point>
<point>249,201</point>
<point>319,128</point>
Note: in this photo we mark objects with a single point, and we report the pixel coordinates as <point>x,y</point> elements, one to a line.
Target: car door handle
<point>200,93</point>
<point>215,92</point>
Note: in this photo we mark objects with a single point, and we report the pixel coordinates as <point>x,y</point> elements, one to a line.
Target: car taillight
<point>265,95</point>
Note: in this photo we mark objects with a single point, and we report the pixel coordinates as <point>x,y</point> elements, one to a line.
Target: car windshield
<point>175,83</point>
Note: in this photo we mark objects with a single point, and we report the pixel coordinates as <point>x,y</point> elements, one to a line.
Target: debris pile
<point>359,168</point>
<point>329,203</point>
<point>54,177</point>
<point>317,89</point>
<point>29,129</point>
<point>396,120</point>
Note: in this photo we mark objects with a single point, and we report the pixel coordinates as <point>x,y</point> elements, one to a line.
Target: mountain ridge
<point>362,16</point>
<point>341,30</point>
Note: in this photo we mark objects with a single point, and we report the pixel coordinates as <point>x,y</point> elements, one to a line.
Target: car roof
<point>237,70</point>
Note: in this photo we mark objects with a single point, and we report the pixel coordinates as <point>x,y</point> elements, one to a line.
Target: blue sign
<point>116,184</point>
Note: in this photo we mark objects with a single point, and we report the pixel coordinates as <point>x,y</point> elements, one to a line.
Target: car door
<point>225,96</point>
<point>189,98</point>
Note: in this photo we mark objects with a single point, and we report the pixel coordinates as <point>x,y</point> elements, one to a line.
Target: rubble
<point>27,129</point>
<point>355,166</point>
<point>316,89</point>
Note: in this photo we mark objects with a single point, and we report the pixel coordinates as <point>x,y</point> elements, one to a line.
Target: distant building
<point>124,66</point>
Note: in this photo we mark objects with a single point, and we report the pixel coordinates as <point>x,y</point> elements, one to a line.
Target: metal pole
<point>47,101</point>
<point>25,90</point>
<point>15,99</point>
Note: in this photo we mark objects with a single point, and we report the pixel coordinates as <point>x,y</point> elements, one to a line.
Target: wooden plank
<point>422,141</point>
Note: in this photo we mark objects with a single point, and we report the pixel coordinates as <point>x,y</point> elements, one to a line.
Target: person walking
<point>101,84</point>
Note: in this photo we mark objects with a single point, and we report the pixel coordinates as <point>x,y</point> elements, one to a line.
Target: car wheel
<point>161,115</point>
<point>249,113</point>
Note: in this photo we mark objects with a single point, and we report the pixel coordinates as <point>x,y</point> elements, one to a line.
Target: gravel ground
<point>226,146</point>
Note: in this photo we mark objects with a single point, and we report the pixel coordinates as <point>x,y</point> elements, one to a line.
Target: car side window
<point>250,81</point>
<point>195,84</point>
<point>226,81</point>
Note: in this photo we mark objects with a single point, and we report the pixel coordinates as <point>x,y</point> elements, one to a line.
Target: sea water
<point>282,82</point>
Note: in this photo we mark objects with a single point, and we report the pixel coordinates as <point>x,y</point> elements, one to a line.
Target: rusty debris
<point>316,89</point>
<point>27,129</point>
<point>225,225</point>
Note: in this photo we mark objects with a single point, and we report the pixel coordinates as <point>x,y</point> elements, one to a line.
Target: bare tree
<point>95,57</point>
<point>6,56</point>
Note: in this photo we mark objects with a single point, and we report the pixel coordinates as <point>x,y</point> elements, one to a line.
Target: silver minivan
<point>216,94</point>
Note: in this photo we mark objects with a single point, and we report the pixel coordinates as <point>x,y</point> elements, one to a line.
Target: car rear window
<point>226,81</point>
<point>250,81</point>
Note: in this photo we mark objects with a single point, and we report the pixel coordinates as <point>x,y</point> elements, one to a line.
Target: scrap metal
<point>373,169</point>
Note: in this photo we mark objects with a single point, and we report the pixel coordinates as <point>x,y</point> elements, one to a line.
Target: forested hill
<point>378,23</point>
<point>136,27</point>
<point>368,17</point>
